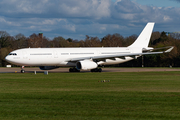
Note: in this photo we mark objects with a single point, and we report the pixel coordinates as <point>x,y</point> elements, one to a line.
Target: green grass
<point>82,96</point>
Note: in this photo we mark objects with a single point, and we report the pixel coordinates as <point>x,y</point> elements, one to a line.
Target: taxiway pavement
<point>64,70</point>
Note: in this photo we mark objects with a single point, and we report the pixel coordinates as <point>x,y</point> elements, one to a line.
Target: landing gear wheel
<point>70,69</point>
<point>73,70</point>
<point>99,70</point>
<point>22,71</point>
<point>96,70</point>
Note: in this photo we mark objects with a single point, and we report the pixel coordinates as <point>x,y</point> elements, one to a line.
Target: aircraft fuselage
<point>63,56</point>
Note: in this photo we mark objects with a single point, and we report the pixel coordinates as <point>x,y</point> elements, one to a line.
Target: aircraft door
<point>55,54</point>
<point>98,52</point>
<point>25,55</point>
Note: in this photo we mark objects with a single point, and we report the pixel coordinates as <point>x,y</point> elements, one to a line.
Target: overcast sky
<point>77,18</point>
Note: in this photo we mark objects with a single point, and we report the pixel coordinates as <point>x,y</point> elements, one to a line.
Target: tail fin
<point>143,40</point>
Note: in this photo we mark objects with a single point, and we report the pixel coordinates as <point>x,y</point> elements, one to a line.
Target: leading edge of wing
<point>117,55</point>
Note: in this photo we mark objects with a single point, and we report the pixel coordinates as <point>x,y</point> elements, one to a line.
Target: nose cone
<point>12,59</point>
<point>7,58</point>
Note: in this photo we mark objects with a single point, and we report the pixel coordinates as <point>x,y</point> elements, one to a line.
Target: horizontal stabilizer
<point>169,50</point>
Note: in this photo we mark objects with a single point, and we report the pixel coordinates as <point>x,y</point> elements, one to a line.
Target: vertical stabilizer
<point>143,40</point>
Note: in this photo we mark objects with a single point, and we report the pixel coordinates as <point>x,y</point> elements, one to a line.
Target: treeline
<point>9,43</point>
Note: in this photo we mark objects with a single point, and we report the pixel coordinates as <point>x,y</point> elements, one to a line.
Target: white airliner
<point>83,58</point>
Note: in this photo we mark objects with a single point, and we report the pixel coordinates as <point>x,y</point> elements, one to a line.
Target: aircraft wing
<point>102,57</point>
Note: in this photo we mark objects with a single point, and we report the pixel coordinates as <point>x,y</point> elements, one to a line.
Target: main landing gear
<point>96,70</point>
<point>73,70</point>
<point>22,69</point>
<point>92,70</point>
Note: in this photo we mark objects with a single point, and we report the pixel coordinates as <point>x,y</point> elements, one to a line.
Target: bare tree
<point>114,40</point>
<point>154,36</point>
<point>21,41</point>
<point>92,42</point>
<point>34,41</point>
<point>4,37</point>
<point>129,40</point>
<point>60,42</point>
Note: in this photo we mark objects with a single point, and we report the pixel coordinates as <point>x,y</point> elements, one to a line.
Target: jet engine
<point>48,67</point>
<point>86,65</point>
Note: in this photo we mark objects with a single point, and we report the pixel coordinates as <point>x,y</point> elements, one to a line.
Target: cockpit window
<point>12,54</point>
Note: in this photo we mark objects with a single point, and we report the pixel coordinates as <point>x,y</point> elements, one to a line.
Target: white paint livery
<point>83,58</point>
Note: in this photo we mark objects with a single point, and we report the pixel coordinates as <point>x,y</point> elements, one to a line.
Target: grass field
<point>82,96</point>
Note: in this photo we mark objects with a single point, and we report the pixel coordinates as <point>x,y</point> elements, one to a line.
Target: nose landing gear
<point>22,69</point>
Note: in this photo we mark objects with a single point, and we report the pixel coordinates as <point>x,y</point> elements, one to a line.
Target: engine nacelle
<point>48,67</point>
<point>86,65</point>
